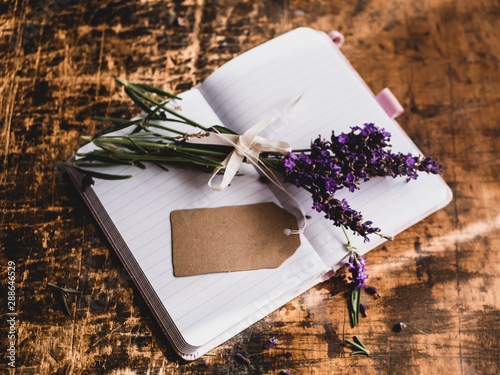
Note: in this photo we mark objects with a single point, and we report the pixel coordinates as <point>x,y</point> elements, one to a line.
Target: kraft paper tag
<point>234,238</point>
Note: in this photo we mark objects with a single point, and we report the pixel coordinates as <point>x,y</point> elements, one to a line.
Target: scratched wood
<point>440,277</point>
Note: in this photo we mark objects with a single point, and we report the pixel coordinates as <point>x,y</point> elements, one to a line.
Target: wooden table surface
<point>58,64</point>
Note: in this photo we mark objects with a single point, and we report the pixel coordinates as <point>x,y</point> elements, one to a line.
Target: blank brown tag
<point>234,238</point>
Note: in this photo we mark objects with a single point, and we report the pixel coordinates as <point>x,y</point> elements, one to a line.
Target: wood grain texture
<point>440,277</point>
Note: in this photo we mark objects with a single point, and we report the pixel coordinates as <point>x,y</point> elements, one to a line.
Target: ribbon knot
<point>242,149</point>
<point>249,145</point>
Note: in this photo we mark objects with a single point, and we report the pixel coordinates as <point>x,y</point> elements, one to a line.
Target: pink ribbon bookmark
<point>389,103</point>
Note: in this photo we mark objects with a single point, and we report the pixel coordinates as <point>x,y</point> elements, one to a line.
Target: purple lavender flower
<point>362,310</point>
<point>410,161</point>
<point>372,290</point>
<point>342,214</point>
<point>430,165</point>
<point>342,163</point>
<point>318,206</point>
<point>288,163</point>
<point>304,158</point>
<point>357,268</point>
<point>272,341</point>
<point>343,138</point>
<point>399,327</point>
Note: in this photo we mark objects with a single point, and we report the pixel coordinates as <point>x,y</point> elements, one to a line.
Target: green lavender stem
<point>354,306</point>
<point>350,247</point>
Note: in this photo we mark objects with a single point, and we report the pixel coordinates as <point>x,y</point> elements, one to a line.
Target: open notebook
<point>197,313</point>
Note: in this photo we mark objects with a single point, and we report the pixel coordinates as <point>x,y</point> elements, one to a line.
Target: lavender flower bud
<point>362,310</point>
<point>399,327</point>
<point>242,358</point>
<point>372,291</point>
<point>272,341</point>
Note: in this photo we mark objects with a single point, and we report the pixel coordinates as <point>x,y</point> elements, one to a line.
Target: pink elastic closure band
<point>337,38</point>
<point>389,103</point>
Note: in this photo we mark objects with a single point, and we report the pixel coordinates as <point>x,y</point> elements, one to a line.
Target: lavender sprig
<point>342,163</point>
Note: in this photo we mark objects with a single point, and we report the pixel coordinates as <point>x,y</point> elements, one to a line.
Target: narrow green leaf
<point>103,176</point>
<point>156,90</point>
<point>103,157</point>
<point>159,165</point>
<point>157,126</point>
<point>138,97</point>
<point>223,129</point>
<point>82,164</point>
<point>198,159</point>
<point>358,302</point>
<point>72,291</point>
<point>64,163</point>
<point>130,158</point>
<point>357,346</point>
<point>140,165</point>
<point>201,151</point>
<point>354,306</point>
<point>137,100</point>
<point>140,93</point>
<point>63,296</point>
<point>136,145</point>
<point>110,119</point>
<point>108,146</point>
<point>354,344</point>
<point>64,293</point>
<point>154,112</point>
<point>120,126</point>
<point>356,338</point>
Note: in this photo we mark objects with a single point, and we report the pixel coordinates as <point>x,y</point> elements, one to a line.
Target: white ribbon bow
<point>249,145</point>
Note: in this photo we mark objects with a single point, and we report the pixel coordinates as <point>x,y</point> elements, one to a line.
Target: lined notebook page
<point>306,63</point>
<point>202,307</point>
